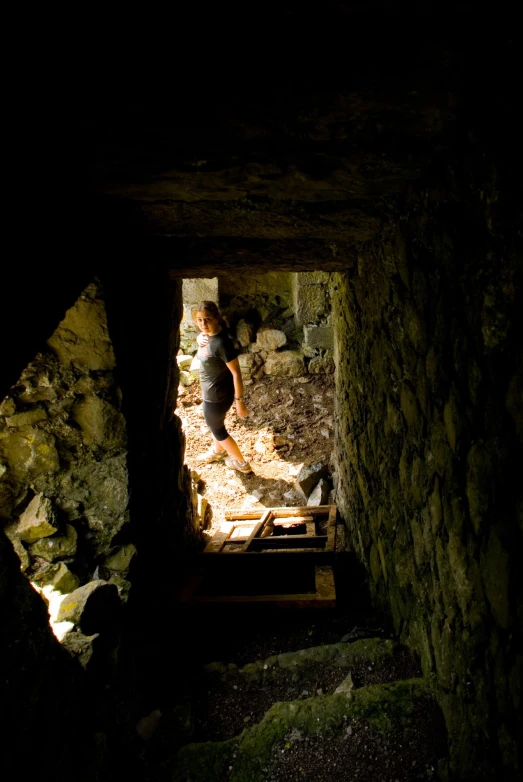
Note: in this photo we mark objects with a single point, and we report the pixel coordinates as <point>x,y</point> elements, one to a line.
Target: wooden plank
<point>313,510</point>
<point>257,530</point>
<point>311,529</point>
<point>217,542</point>
<point>290,541</point>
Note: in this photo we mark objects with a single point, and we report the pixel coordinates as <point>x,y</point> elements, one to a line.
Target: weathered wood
<point>257,530</point>
<point>290,541</point>
<point>318,510</point>
<point>217,542</point>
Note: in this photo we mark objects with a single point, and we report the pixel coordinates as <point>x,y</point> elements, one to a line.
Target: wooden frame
<point>243,561</point>
<point>257,521</point>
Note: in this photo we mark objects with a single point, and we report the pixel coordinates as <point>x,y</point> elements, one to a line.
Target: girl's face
<point>206,323</point>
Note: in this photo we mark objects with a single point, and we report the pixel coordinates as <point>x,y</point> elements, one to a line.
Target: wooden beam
<point>257,530</point>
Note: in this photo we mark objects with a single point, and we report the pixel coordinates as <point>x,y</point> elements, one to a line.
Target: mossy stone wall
<point>429,445</point>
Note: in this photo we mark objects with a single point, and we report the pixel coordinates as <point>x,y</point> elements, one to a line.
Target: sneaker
<point>234,464</point>
<point>212,456</point>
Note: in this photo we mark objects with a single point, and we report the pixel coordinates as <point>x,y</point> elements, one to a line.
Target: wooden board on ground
<point>274,529</point>
<point>198,592</point>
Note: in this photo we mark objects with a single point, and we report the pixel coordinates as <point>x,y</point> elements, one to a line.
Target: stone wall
<point>429,444</point>
<point>64,485</point>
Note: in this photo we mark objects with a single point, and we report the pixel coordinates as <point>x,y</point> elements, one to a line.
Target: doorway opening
<point>281,324</point>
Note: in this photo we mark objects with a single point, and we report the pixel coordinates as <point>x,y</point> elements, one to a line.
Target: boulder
<point>38,520</point>
<point>320,494</point>
<point>57,546</point>
<point>270,339</point>
<point>120,559</point>
<point>309,476</point>
<point>321,365</point>
<point>184,362</point>
<point>58,576</point>
<point>244,333</point>
<point>289,363</point>
<point>93,607</point>
<point>80,646</point>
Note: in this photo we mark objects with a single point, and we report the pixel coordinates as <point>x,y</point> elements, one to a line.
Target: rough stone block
<point>56,547</point>
<point>319,336</point>
<point>289,363</point>
<point>93,606</point>
<point>26,419</point>
<point>82,338</point>
<point>309,476</point>
<point>270,339</point>
<point>121,558</point>
<point>321,365</point>
<point>20,551</point>
<point>311,304</point>
<point>38,520</point>
<point>244,333</point>
<point>320,493</point>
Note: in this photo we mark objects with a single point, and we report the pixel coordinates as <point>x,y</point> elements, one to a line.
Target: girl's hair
<point>212,309</point>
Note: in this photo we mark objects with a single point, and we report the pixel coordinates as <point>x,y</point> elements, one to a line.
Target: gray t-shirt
<point>216,379</point>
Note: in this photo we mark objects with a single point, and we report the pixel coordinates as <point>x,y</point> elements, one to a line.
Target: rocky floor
<point>290,424</point>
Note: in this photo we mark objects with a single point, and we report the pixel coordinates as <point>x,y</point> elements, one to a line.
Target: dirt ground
<point>290,424</point>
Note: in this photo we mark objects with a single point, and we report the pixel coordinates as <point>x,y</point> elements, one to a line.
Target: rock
<point>7,407</point>
<point>308,477</point>
<point>244,333</point>
<point>121,558</point>
<point>270,339</point>
<point>80,646</point>
<point>257,494</point>
<point>289,363</point>
<point>82,338</point>
<point>11,533</point>
<point>26,419</point>
<point>202,506</point>
<point>100,423</point>
<point>247,363</point>
<point>187,378</point>
<point>38,520</point>
<point>56,547</point>
<point>146,727</point>
<point>123,586</point>
<point>184,362</point>
<point>320,493</point>
<point>93,607</point>
<point>63,580</point>
<point>322,365</point>
<point>195,365</point>
<point>30,452</point>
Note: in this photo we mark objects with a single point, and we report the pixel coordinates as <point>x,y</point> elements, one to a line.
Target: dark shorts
<point>214,414</point>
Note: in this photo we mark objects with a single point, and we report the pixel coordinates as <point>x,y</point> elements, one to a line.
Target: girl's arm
<point>234,368</point>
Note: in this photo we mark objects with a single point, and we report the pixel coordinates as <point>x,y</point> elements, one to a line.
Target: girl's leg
<point>214,413</point>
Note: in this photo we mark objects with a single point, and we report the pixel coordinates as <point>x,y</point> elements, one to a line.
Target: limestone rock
<point>56,547</point>
<point>247,363</point>
<point>93,606</point>
<point>101,423</point>
<point>270,339</point>
<point>123,586</point>
<point>80,646</point>
<point>58,576</point>
<point>244,333</point>
<point>38,520</point>
<point>26,419</point>
<point>289,363</point>
<point>121,558</point>
<point>187,378</point>
<point>184,362</point>
<point>11,533</point>
<point>309,476</point>
<point>321,365</point>
<point>320,493</point>
<point>82,338</point>
<point>30,451</point>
